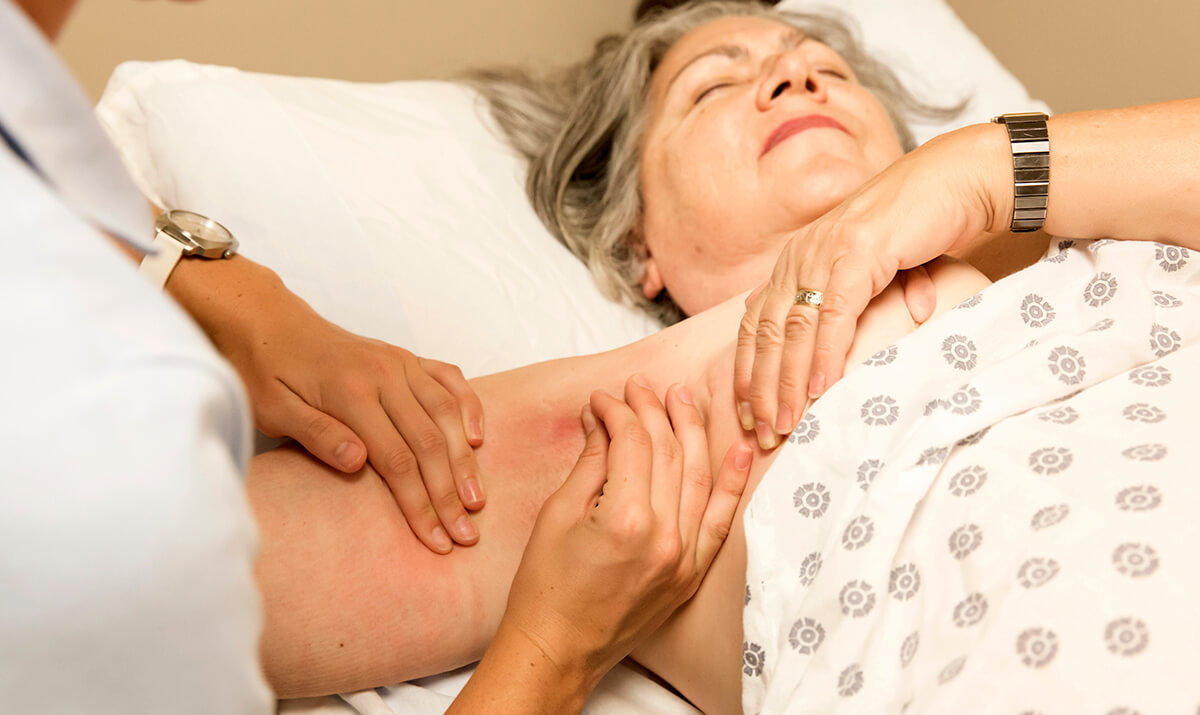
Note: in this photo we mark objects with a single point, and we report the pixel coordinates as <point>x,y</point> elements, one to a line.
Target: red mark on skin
<point>794,126</point>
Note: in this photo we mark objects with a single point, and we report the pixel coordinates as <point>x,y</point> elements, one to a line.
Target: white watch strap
<point>157,266</point>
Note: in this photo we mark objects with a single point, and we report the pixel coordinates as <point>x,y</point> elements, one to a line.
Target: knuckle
<point>699,477</point>
<point>668,551</point>
<point>668,450</point>
<point>768,333</point>
<point>637,435</point>
<point>443,405</point>
<point>445,500</point>
<point>634,526</point>
<point>318,426</point>
<point>719,530</point>
<point>800,323</point>
<point>400,460</point>
<point>429,442</point>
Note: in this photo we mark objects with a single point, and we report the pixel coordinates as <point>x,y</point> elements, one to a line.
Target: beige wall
<point>1075,54</point>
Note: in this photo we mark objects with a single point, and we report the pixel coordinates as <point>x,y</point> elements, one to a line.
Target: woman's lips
<point>799,124</point>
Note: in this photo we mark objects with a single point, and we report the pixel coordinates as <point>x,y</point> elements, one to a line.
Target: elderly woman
<point>703,143</point>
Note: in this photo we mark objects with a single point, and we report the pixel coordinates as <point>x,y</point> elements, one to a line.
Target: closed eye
<point>709,90</point>
<point>835,73</point>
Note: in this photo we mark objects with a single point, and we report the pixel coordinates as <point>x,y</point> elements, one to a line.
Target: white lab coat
<point>126,542</point>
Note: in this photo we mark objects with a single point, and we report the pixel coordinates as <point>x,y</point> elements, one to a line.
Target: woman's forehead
<point>722,36</point>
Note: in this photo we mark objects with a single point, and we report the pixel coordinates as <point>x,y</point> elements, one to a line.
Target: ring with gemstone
<point>805,296</point>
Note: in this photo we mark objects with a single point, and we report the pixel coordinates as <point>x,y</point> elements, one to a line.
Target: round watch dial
<point>200,234</point>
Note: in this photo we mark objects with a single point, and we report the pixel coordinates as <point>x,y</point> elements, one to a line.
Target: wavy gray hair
<point>581,129</point>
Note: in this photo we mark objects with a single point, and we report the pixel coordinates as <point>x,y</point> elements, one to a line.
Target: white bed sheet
<point>626,689</point>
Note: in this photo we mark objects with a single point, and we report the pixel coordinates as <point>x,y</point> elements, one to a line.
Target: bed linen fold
<point>998,513</point>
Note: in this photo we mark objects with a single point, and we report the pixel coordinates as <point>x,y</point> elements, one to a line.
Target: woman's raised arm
<point>1125,173</point>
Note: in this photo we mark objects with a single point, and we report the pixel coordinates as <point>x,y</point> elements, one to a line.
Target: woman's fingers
<point>697,481</point>
<point>451,378</point>
<point>667,461</point>
<point>727,492</point>
<point>630,454</point>
<point>780,319</point>
<point>586,481</point>
<point>846,298</point>
<point>429,464</point>
<point>920,296</point>
<point>446,410</point>
<point>330,441</point>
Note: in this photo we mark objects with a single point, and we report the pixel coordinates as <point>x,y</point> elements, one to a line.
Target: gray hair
<point>580,130</point>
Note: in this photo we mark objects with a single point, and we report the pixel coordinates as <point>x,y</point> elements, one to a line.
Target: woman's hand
<point>937,198</point>
<point>623,543</point>
<point>344,397</point>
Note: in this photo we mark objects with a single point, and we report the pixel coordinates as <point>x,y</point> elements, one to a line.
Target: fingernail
<point>474,492</point>
<point>741,460</point>
<point>441,540</point>
<point>685,395</point>
<point>816,386</point>
<point>347,455</point>
<point>476,429</point>
<point>589,420</point>
<point>783,423</point>
<point>465,529</point>
<point>766,436</point>
<point>746,416</point>
<point>640,379</point>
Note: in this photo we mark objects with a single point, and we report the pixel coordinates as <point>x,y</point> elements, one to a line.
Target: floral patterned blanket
<point>998,514</point>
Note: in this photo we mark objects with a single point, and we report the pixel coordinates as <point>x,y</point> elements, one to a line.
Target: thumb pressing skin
<point>920,296</point>
<point>587,478</point>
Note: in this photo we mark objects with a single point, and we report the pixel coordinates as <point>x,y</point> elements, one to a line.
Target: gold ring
<point>804,296</point>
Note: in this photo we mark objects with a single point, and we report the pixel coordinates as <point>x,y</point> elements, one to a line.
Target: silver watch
<point>182,233</point>
<point>1031,168</point>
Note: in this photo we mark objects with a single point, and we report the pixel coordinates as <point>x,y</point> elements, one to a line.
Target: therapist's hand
<point>347,398</point>
<point>935,199</point>
<point>619,547</point>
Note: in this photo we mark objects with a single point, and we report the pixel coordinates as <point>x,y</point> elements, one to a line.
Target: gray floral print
<point>970,610</point>
<point>879,411</point>
<point>1165,300</point>
<point>806,636</point>
<point>933,455</point>
<point>908,648</point>
<point>884,357</point>
<point>1163,340</point>
<point>809,568</point>
<point>1143,497</point>
<point>1037,646</point>
<point>904,582</point>
<point>1100,290</point>
<point>1146,452</point>
<point>974,437</point>
<point>959,352</point>
<point>1170,258</point>
<point>968,480</point>
<point>1101,325</point>
<point>1150,376</point>
<point>1142,412</point>
<point>858,533</point>
<point>964,540</point>
<point>811,500</point>
<point>1036,312</point>
<point>1049,516</point>
<point>1037,572</point>
<point>952,669</point>
<point>857,599</point>
<point>867,471</point>
<point>1059,415</point>
<point>1127,636</point>
<point>1135,560</point>
<point>965,400</point>
<point>752,659</point>
<point>850,681</point>
<point>806,431</point>
<point>970,302</point>
<point>1051,460</point>
<point>1067,365</point>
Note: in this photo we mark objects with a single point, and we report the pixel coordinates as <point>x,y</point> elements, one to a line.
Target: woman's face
<point>753,132</point>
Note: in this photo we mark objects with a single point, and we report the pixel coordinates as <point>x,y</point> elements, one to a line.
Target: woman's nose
<point>786,73</point>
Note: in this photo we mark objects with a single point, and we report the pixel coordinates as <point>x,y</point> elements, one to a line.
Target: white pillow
<point>934,54</point>
<point>398,213</point>
<point>393,209</point>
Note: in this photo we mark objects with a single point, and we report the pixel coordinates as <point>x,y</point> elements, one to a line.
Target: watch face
<point>200,234</point>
